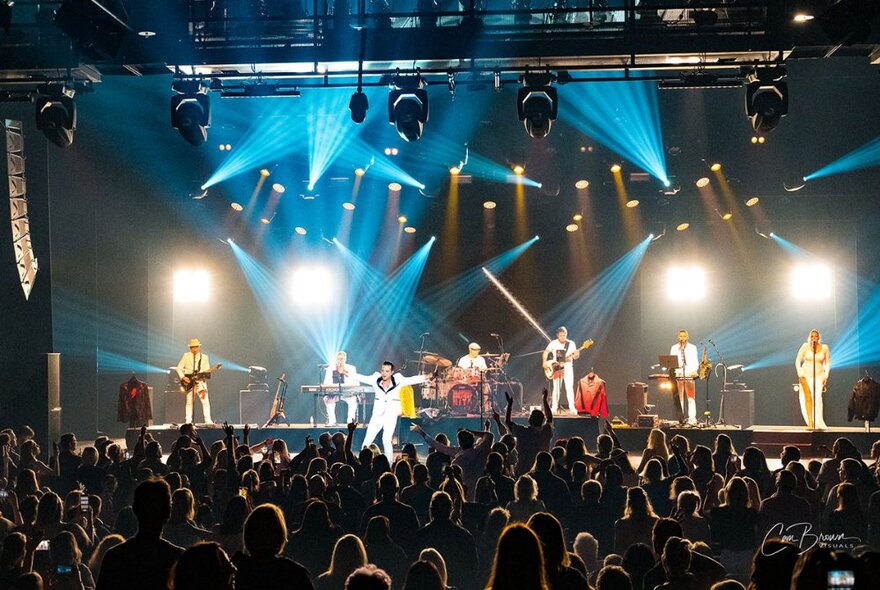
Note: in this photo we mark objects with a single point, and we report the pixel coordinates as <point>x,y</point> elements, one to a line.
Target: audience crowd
<point>508,507</point>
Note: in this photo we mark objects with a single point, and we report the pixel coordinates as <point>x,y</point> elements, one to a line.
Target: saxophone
<point>705,366</point>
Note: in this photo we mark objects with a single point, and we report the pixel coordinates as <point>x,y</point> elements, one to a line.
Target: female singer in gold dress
<point>813,365</point>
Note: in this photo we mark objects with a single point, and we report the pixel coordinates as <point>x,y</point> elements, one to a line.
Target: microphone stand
<point>723,364</point>
<point>503,374</point>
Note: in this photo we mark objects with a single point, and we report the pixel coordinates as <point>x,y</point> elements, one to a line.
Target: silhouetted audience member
<point>260,565</point>
<point>694,527</point>
<point>454,542</point>
<point>368,578</point>
<point>613,577</point>
<point>552,489</point>
<point>637,523</point>
<point>145,560</point>
<point>402,518</point>
<point>676,562</point>
<point>525,500</point>
<point>312,544</point>
<point>707,570</point>
<point>204,566</point>
<point>519,561</point>
<point>638,559</point>
<point>734,527</point>
<point>847,520</point>
<point>557,563</point>
<point>587,548</point>
<point>383,552</point>
<point>422,575</point>
<point>418,495</point>
<point>782,509</point>
<point>772,567</point>
<point>433,557</point>
<point>348,555</point>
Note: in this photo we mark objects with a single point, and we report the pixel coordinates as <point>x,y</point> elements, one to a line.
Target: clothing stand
<point>723,364</point>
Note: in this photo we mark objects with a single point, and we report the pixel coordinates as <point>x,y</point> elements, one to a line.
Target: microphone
<point>494,335</point>
<point>282,378</point>
<point>425,334</point>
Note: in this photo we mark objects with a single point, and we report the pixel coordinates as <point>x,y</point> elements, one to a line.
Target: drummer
<point>472,360</point>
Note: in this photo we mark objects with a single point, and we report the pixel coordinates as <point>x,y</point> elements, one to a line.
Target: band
<point>471,386</point>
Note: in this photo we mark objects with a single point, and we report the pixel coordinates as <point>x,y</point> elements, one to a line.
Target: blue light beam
<point>863,157</point>
<point>624,116</point>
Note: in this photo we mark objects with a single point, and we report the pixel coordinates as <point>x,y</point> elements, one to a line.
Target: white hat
<point>194,342</point>
<point>473,346</point>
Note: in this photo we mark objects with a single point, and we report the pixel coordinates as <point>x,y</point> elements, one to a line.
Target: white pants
<point>568,381</point>
<point>202,391</point>
<point>687,394</point>
<point>384,418</point>
<point>330,405</point>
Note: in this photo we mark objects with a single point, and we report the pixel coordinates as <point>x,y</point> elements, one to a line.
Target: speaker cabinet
<point>739,407</point>
<point>254,405</point>
<point>636,400</point>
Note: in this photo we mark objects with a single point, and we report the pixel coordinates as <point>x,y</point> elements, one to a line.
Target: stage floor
<point>768,438</point>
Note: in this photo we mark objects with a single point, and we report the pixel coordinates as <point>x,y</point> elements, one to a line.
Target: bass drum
<point>462,399</point>
<point>429,392</point>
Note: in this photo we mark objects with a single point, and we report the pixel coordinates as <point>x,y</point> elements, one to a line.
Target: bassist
<point>558,356</point>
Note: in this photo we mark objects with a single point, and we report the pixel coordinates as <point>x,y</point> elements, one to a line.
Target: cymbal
<point>444,362</point>
<point>431,358</point>
<point>426,353</point>
<point>490,354</point>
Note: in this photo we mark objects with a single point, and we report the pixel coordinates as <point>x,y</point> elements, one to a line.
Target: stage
<point>769,439</point>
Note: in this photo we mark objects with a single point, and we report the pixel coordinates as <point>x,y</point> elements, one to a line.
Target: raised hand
<point>544,394</point>
<point>247,430</point>
<point>352,426</point>
<point>227,429</point>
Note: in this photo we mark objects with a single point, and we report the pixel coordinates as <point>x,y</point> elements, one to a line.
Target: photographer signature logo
<point>802,535</point>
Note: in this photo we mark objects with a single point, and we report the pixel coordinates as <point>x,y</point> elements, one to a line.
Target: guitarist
<point>558,356</point>
<point>191,364</point>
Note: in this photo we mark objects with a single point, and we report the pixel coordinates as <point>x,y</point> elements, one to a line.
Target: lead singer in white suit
<point>386,403</point>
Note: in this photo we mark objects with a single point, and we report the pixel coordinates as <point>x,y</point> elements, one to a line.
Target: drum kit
<point>458,391</point>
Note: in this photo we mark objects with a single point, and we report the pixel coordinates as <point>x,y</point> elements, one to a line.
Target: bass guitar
<point>192,379</point>
<point>555,369</point>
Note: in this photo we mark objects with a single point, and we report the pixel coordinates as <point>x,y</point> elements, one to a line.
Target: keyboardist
<point>339,377</point>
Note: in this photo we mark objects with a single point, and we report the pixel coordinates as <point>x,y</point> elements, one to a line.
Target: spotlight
<point>454,170</point>
<point>682,226</point>
<point>191,286</point>
<point>752,202</point>
<point>401,219</point>
<point>410,230</point>
<point>802,18</point>
<point>394,187</point>
<point>228,147</point>
<point>727,216</point>
<point>236,206</point>
<point>519,169</point>
<point>577,217</point>
<point>702,182</point>
<point>489,204</point>
<point>715,167</point>
<point>264,172</point>
<point>300,230</point>
<point>581,184</point>
<point>394,151</point>
<point>811,281</point>
<point>265,220</point>
<point>313,286</point>
<point>537,104</point>
<point>615,168</point>
<point>257,378</point>
<point>348,206</point>
<point>388,151</point>
<point>191,110</point>
<point>222,147</point>
<point>686,284</point>
<point>754,139</point>
<point>359,171</point>
<point>358,105</point>
<point>56,114</point>
<point>408,106</point>
<point>762,139</point>
<point>632,203</point>
<point>572,227</point>
<point>278,187</point>
<point>766,98</point>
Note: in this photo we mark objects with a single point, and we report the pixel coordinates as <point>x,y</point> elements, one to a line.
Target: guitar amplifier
<point>636,400</point>
<point>254,405</point>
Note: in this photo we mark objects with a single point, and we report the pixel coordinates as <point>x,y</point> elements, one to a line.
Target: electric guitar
<point>555,370</point>
<point>195,378</point>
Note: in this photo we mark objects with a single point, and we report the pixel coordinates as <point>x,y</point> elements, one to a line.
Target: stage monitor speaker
<point>175,406</point>
<point>254,405</point>
<point>739,408</point>
<point>53,391</point>
<point>636,400</point>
